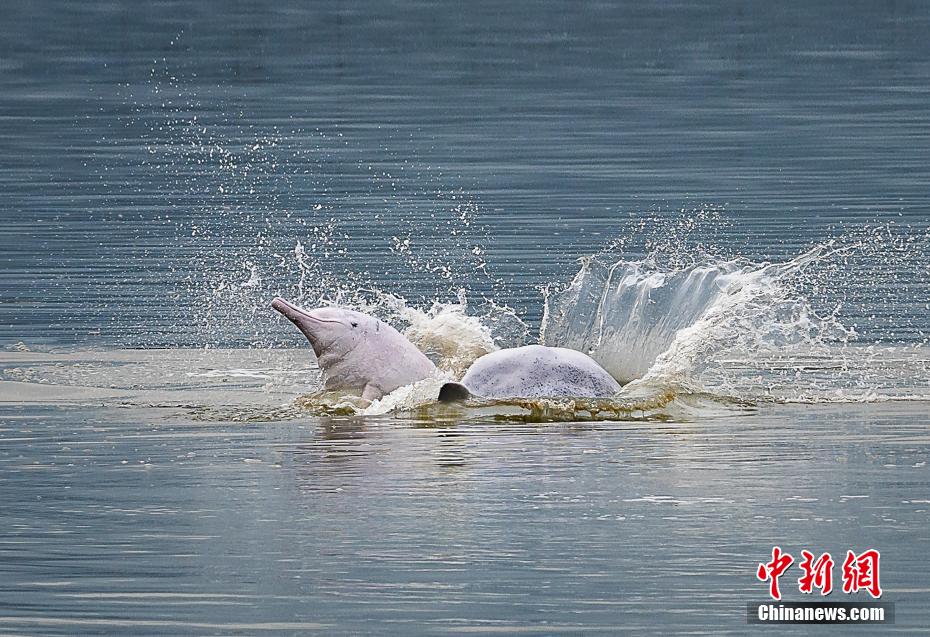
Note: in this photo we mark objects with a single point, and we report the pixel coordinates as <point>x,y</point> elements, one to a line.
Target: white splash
<point>683,328</point>
<point>409,397</point>
<point>448,334</point>
<point>254,279</point>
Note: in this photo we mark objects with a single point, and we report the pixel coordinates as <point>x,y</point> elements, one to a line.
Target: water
<point>745,188</point>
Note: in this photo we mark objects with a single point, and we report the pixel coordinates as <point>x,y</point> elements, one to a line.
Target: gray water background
<point>557,125</point>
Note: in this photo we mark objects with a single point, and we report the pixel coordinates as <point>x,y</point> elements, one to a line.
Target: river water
<point>725,205</point>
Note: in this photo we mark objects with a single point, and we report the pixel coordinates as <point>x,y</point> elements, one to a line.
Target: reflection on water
<point>257,516</point>
<point>141,521</point>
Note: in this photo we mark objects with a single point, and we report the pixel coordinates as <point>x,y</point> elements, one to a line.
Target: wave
<point>687,339</point>
<point>681,337</point>
<point>648,325</point>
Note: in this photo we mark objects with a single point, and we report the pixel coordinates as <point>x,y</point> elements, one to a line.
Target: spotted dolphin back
<point>533,371</point>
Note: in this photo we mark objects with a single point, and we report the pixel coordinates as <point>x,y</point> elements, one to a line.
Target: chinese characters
<point>860,572</point>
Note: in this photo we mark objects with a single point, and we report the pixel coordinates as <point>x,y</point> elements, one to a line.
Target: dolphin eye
<point>354,324</point>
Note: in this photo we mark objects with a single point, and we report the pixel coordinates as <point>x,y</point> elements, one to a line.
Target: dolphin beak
<point>303,320</point>
<point>289,310</point>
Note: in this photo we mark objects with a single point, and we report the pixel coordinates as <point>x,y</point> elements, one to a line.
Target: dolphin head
<point>358,353</point>
<point>330,330</point>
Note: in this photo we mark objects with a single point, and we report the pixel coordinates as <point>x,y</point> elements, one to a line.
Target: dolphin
<point>358,353</point>
<point>532,371</point>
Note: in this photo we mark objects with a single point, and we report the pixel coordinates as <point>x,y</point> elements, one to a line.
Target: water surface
<point>166,170</point>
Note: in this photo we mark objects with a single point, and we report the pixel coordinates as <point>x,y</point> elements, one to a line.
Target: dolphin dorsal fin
<point>451,392</point>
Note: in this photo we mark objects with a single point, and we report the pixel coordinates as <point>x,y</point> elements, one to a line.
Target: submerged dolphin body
<point>533,371</point>
<point>358,353</point>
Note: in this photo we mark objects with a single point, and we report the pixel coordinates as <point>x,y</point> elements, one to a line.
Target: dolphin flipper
<point>451,392</point>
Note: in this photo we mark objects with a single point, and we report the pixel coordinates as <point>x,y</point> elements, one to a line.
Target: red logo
<point>860,572</point>
<point>817,574</point>
<point>774,569</point>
